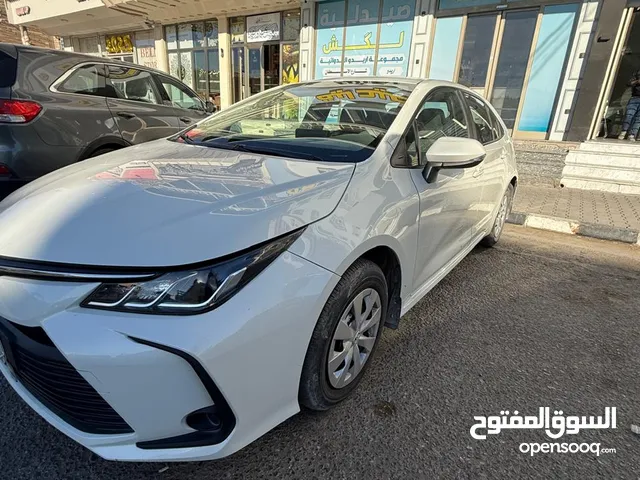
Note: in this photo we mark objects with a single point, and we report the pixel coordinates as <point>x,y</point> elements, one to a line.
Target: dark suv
<point>57,108</point>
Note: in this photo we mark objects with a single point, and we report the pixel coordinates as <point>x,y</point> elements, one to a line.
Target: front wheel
<point>345,337</point>
<point>498,225</point>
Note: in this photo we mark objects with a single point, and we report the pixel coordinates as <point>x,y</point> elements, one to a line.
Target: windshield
<point>325,121</point>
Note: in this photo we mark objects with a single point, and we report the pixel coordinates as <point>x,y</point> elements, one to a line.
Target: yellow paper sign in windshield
<point>364,93</point>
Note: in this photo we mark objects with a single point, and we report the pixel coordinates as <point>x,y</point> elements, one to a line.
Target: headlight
<point>190,290</point>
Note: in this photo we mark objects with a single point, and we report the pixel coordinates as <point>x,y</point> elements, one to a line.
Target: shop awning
<point>71,18</point>
<point>176,11</point>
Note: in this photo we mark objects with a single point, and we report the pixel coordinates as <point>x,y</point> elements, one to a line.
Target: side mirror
<point>452,152</point>
<point>210,107</point>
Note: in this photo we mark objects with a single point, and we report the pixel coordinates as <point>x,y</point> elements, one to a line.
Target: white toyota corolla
<point>178,299</point>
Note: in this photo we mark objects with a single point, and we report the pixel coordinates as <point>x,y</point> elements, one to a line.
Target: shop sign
<point>119,43</point>
<point>447,4</point>
<point>263,28</point>
<point>22,11</point>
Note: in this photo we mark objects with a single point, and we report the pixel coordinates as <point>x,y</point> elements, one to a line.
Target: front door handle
<point>186,120</point>
<point>126,115</point>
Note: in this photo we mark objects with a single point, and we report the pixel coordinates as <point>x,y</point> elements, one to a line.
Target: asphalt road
<point>541,320</point>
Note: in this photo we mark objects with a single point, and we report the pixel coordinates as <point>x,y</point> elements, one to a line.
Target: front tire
<point>345,337</point>
<point>498,225</point>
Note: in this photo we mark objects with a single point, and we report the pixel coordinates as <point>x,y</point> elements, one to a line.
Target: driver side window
<point>179,96</point>
<point>441,115</point>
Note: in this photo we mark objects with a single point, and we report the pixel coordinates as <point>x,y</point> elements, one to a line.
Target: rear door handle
<point>126,115</point>
<point>186,120</point>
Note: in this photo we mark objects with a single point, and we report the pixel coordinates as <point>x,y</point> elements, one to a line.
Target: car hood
<point>165,204</point>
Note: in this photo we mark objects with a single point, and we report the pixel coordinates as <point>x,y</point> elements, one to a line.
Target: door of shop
<point>621,104</point>
<point>513,58</point>
<point>260,66</point>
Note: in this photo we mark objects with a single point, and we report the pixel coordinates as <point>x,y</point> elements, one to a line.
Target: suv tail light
<point>4,170</point>
<point>18,111</point>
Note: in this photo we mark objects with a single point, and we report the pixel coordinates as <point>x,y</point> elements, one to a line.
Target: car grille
<point>49,377</point>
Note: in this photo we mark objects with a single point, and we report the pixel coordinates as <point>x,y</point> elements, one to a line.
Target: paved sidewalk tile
<point>584,206</point>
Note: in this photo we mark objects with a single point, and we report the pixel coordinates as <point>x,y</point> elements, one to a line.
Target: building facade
<point>13,34</point>
<point>531,58</point>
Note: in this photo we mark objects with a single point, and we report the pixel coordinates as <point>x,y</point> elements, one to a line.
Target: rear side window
<point>8,68</point>
<point>85,80</point>
<point>487,126</point>
<point>132,84</point>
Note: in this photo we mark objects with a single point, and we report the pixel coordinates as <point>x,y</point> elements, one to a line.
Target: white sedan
<point>178,299</point>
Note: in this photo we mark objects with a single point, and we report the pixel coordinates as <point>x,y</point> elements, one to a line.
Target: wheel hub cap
<point>354,338</point>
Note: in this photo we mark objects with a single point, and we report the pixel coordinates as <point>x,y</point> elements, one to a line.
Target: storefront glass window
<point>214,71</point>
<point>211,32</point>
<point>186,68</point>
<point>362,52</point>
<point>89,45</point>
<point>170,37</point>
<point>512,63</point>
<point>185,36</point>
<point>237,30</point>
<point>548,61</point>
<point>445,48</point>
<point>290,63</point>
<point>291,25</point>
<point>622,108</point>
<point>197,31</point>
<point>200,73</point>
<point>194,59</point>
<point>478,39</point>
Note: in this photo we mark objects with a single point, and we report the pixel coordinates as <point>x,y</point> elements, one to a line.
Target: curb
<point>571,227</point>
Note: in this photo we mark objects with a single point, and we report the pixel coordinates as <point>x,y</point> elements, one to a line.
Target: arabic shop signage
<point>449,4</point>
<point>263,28</point>
<point>119,43</point>
<point>364,39</point>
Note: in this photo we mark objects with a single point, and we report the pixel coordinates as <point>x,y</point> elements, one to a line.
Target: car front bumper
<point>251,350</point>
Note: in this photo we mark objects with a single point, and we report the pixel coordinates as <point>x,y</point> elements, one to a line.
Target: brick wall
<point>11,33</point>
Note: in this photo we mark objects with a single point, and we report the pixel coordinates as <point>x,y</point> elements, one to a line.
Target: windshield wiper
<point>185,138</point>
<point>239,147</point>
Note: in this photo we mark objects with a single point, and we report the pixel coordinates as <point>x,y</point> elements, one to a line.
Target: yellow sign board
<point>119,43</point>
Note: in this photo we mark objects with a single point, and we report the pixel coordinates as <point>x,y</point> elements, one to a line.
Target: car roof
<point>81,57</point>
<point>405,83</point>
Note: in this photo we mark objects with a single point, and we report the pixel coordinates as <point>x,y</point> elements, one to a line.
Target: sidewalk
<point>609,216</point>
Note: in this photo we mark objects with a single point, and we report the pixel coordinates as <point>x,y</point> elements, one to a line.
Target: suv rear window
<point>8,68</point>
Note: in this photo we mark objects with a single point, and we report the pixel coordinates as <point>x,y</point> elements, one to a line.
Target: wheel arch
<point>387,253</point>
<point>104,142</point>
<point>389,263</point>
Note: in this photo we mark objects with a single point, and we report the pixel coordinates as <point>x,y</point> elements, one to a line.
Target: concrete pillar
<point>226,73</point>
<point>307,37</point>
<point>24,34</point>
<point>420,41</point>
<point>162,57</point>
